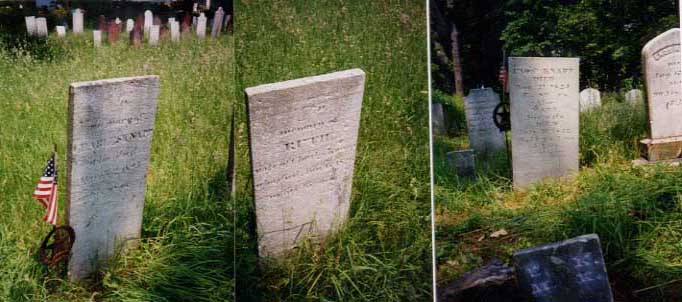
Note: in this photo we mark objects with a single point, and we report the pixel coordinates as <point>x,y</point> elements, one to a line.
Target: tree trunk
<point>456,62</point>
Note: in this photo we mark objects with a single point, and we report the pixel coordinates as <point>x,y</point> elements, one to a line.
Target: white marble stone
<point>544,118</point>
<point>61,31</point>
<point>111,126</point>
<point>41,27</point>
<point>589,98</point>
<point>217,22</point>
<point>129,25</point>
<point>484,137</point>
<point>154,35</point>
<point>303,136</point>
<point>77,21</point>
<point>175,31</point>
<point>201,26</point>
<point>97,38</point>
<point>30,25</point>
<point>148,22</point>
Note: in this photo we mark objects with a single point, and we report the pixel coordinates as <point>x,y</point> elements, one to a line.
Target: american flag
<point>46,191</point>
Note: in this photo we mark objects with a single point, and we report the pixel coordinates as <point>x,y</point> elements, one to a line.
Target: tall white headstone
<point>175,31</point>
<point>544,118</point>
<point>97,38</point>
<point>201,26</point>
<point>589,98</point>
<point>154,35</point>
<point>303,140</point>
<point>77,21</point>
<point>61,31</point>
<point>484,137</point>
<point>111,126</point>
<point>148,22</point>
<point>30,25</point>
<point>217,22</point>
<point>41,27</point>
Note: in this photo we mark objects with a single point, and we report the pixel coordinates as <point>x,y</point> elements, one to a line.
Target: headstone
<point>171,20</point>
<point>208,4</point>
<point>30,25</point>
<point>148,19</point>
<point>201,26</point>
<point>438,118</point>
<point>61,31</point>
<point>41,27</point>
<point>165,32</point>
<point>567,271</point>
<point>463,162</point>
<point>303,136</point>
<point>117,20</point>
<point>77,21</point>
<point>544,118</point>
<point>217,22</point>
<point>492,282</point>
<point>484,137</point>
<point>154,35</point>
<point>129,25</point>
<point>589,98</point>
<point>634,96</point>
<point>102,24</point>
<point>663,76</point>
<point>157,20</point>
<point>175,31</point>
<point>113,32</point>
<point>186,25</point>
<point>110,130</point>
<point>227,21</point>
<point>136,36</point>
<point>97,38</point>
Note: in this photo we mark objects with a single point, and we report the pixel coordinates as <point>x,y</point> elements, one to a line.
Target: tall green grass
<point>635,210</point>
<point>384,251</point>
<point>187,248</point>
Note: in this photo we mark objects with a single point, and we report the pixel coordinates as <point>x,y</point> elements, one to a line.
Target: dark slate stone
<point>464,162</point>
<point>567,271</point>
<point>493,282</point>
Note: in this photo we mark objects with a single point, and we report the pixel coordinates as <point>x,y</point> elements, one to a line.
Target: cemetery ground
<point>383,253</point>
<point>187,230</point>
<point>635,210</point>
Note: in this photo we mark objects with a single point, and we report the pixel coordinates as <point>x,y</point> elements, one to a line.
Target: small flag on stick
<point>46,191</point>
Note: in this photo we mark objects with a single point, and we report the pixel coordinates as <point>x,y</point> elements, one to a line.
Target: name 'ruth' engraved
<point>313,140</point>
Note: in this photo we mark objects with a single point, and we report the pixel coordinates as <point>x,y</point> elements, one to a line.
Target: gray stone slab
<point>634,96</point>
<point>303,136</point>
<point>463,162</point>
<point>484,137</point>
<point>438,119</point>
<point>663,77</point>
<point>544,118</point>
<point>590,98</point>
<point>30,25</point>
<point>77,19</point>
<point>567,271</point>
<point>111,124</point>
<point>217,22</point>
<point>201,26</point>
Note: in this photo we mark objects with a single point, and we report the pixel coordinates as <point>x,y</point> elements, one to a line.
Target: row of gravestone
<point>150,26</point>
<point>545,106</point>
<point>303,156</point>
<point>591,98</point>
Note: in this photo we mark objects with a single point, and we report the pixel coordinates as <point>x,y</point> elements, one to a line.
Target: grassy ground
<point>636,211</point>
<point>186,254</point>
<point>384,251</point>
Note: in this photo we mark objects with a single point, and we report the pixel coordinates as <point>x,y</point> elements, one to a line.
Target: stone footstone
<point>589,98</point>
<point>567,271</point>
<point>111,126</point>
<point>61,31</point>
<point>492,282</point>
<point>464,162</point>
<point>97,38</point>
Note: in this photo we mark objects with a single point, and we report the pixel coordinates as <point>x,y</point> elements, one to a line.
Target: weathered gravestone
<point>113,32</point>
<point>136,36</point>
<point>484,137</point>
<point>567,271</point>
<point>634,96</point>
<point>217,22</point>
<point>663,76</point>
<point>102,24</point>
<point>186,25</point>
<point>41,27</point>
<point>463,161</point>
<point>129,25</point>
<point>175,31</point>
<point>154,35</point>
<point>437,118</point>
<point>97,38</point>
<point>110,131</point>
<point>589,98</point>
<point>544,118</point>
<point>61,31</point>
<point>303,136</point>
<point>77,19</point>
<point>30,25</point>
<point>201,26</point>
<point>148,20</point>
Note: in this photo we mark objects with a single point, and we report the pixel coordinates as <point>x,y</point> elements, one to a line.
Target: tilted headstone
<point>61,31</point>
<point>303,136</point>
<point>589,98</point>
<point>41,27</point>
<point>201,26</point>
<point>217,22</point>
<point>30,25</point>
<point>663,76</point>
<point>634,96</point>
<point>148,20</point>
<point>567,271</point>
<point>97,38</point>
<point>484,137</point>
<point>129,25</point>
<point>175,31</point>
<point>111,124</point>
<point>463,162</point>
<point>544,118</point>
<point>437,118</point>
<point>154,35</point>
<point>77,20</point>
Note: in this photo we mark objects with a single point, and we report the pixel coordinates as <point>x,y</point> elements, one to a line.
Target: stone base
<point>644,161</point>
<point>661,149</point>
